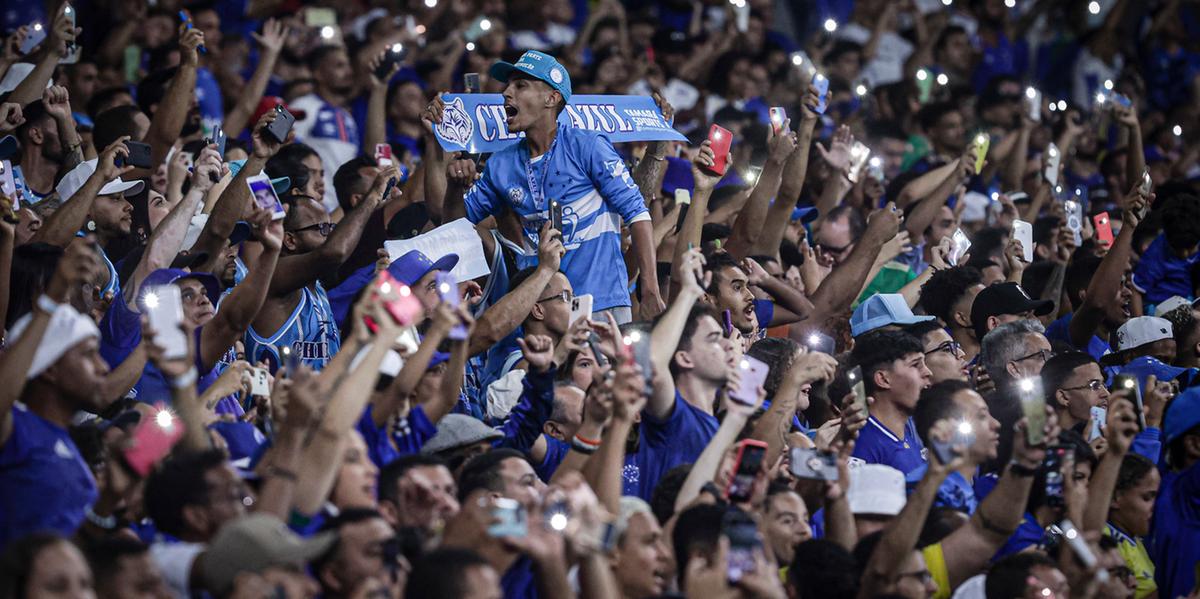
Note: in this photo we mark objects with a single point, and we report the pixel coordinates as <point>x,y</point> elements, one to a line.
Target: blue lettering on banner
<point>476,123</point>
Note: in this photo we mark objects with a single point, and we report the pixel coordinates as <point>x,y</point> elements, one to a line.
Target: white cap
<point>392,362</point>
<point>972,588</point>
<point>72,181</point>
<point>1169,304</point>
<point>66,329</point>
<point>876,489</point>
<point>1141,330</point>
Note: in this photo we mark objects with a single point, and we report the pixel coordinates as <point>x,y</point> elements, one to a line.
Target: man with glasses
<point>1074,384</point>
<point>297,311</point>
<point>837,233</point>
<point>1009,353</point>
<point>943,355</point>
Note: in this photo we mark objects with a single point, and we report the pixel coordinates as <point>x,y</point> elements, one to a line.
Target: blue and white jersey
<point>584,173</point>
<point>878,445</point>
<point>330,131</point>
<point>310,331</point>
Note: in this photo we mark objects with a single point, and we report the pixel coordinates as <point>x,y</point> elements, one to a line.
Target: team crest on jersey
<point>456,126</point>
<point>516,195</point>
<point>631,473</point>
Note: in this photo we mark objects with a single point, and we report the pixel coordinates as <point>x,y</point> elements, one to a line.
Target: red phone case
<point>397,299</point>
<point>737,464</point>
<point>721,140</point>
<point>383,152</point>
<point>1104,233</point>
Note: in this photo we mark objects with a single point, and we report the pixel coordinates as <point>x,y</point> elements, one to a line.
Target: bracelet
<point>284,473</point>
<point>47,305</point>
<point>102,522</point>
<point>1018,469</point>
<point>184,379</point>
<point>587,441</point>
<point>581,447</point>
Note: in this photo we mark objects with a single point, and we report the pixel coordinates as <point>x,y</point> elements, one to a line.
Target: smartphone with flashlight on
<point>963,436</point>
<point>778,116</point>
<point>747,467</point>
<point>152,440</point>
<point>721,140</point>
<point>394,56</point>
<point>753,373</point>
<point>979,149</point>
<point>859,387</point>
<point>821,82</point>
<point>1130,383</point>
<point>1104,232</point>
<point>1033,406</point>
<point>164,309</point>
<point>447,287</point>
<point>397,299</point>
<point>556,216</point>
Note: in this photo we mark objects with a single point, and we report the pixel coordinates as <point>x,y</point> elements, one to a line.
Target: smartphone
<point>979,148</point>
<point>383,155</point>
<point>69,12</point>
<point>924,85</point>
<point>721,140</point>
<point>753,374</point>
<point>637,344</point>
<point>822,84</point>
<point>813,464</point>
<point>556,216</point>
<point>397,299</point>
<point>1130,383</point>
<point>258,382</point>
<point>1053,161</point>
<point>164,309</point>
<point>1023,232</point>
<point>479,27</point>
<point>152,439</point>
<point>264,195</point>
<point>279,128</point>
<point>778,116</point>
<point>859,387</point>
<point>37,33</point>
<point>1098,417</point>
<point>289,360</point>
<point>593,342</point>
<point>959,245</point>
<point>1074,223</point>
<point>447,286</point>
<point>139,155</point>
<point>186,19</point>
<point>859,154</point>
<point>1104,234</point>
<point>219,138</point>
<point>1053,466</point>
<point>581,307</point>
<point>726,321</point>
<point>8,183</point>
<point>471,83</point>
<point>821,343</point>
<point>1033,104</point>
<point>1033,406</point>
<point>387,189</point>
<point>319,17</point>
<point>964,435</point>
<point>744,544</point>
<point>1147,182</point>
<point>683,199</point>
<point>394,56</point>
<point>741,16</point>
<point>747,467</point>
<point>1079,546</point>
<point>512,520</point>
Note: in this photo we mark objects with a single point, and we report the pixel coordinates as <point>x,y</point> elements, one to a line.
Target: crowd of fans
<point>924,329</point>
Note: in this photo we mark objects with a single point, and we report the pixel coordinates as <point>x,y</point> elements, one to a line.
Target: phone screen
<point>750,462</point>
<point>1104,234</point>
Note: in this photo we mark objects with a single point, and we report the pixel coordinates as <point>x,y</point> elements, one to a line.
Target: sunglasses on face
<point>323,228</point>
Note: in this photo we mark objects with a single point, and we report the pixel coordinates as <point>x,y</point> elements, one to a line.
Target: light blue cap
<point>538,65</point>
<point>881,310</point>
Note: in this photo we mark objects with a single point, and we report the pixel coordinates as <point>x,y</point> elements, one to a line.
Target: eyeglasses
<point>1043,354</point>
<point>564,296</point>
<point>834,250</point>
<point>951,347</point>
<point>1094,385</point>
<point>323,228</point>
<point>923,576</point>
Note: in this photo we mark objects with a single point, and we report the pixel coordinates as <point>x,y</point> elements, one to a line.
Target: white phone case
<point>1023,232</point>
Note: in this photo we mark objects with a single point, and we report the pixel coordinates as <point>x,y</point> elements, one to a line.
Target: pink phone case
<point>152,442</point>
<point>754,374</point>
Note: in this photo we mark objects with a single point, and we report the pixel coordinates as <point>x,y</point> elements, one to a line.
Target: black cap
<point>1004,298</point>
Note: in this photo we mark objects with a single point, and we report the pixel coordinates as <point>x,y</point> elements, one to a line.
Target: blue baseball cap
<point>410,267</point>
<point>167,276</point>
<point>538,65</point>
<point>281,184</point>
<point>1183,414</point>
<point>1145,366</point>
<point>881,310</point>
<point>805,214</point>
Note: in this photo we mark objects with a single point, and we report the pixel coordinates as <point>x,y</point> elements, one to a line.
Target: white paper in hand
<point>456,237</point>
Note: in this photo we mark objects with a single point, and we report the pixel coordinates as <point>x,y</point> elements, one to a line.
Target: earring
<point>91,226</point>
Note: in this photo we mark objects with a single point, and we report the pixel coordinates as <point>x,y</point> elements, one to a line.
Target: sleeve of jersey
<point>1148,444</point>
<point>303,127</point>
<point>1147,273</point>
<point>120,332</point>
<point>483,200</point>
<point>608,173</point>
<point>524,423</point>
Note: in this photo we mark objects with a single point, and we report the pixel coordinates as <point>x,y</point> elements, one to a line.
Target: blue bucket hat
<point>167,276</point>
<point>538,65</point>
<point>410,267</point>
<point>881,310</point>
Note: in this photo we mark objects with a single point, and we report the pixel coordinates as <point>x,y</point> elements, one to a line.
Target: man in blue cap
<point>556,162</point>
<point>883,310</point>
<point>414,269</point>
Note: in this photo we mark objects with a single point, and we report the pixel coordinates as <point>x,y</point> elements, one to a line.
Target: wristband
<point>1017,469</point>
<point>581,447</point>
<point>587,441</point>
<point>184,379</point>
<point>102,522</point>
<point>47,305</point>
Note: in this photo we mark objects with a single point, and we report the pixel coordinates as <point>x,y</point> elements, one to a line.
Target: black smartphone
<point>139,154</point>
<point>282,125</point>
<point>471,83</point>
<point>387,190</point>
<point>391,58</point>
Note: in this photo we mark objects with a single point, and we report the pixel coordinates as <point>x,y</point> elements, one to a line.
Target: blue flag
<point>475,122</point>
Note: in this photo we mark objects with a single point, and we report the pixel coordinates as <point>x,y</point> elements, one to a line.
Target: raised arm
<point>750,220</point>
<point>298,270</point>
<point>842,285</point>
<point>780,213</point>
<point>773,427</point>
<point>1119,430</point>
<point>665,337</point>
<point>60,228</point>
<point>1135,157</point>
<point>31,87</point>
<point>506,315</point>
<point>280,466</point>
<point>452,381</point>
<point>930,204</point>
<point>241,306</point>
<point>270,44</point>
<point>58,105</point>
<point>603,470</point>
<point>704,470</point>
<point>375,131</point>
<point>1106,282</point>
<point>173,108</point>
<point>693,222</point>
<point>414,367</point>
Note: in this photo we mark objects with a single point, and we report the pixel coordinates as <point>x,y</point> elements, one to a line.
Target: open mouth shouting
<point>510,113</point>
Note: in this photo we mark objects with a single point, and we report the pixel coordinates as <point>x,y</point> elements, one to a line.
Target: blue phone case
<point>822,84</point>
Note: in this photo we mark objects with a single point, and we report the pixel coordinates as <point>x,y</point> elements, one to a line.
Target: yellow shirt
<point>935,562</point>
<point>1136,558</point>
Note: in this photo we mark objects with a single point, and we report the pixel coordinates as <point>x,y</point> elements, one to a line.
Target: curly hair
<point>944,288</point>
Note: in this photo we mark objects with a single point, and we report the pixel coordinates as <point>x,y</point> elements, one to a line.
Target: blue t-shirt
<point>664,444</point>
<point>1175,538</point>
<point>44,482</point>
<point>1159,273</point>
<point>385,444</point>
<point>518,581</point>
<point>877,445</point>
<point>1060,330</point>
<point>955,492</point>
<point>764,312</point>
<point>583,172</point>
<point>556,452</point>
<point>1028,534</point>
<point>310,331</point>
